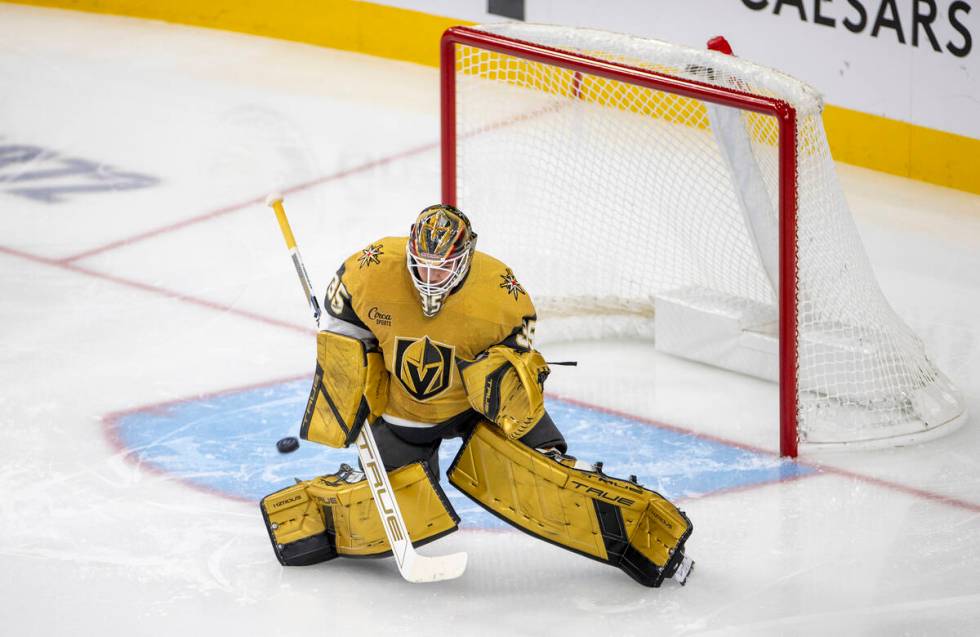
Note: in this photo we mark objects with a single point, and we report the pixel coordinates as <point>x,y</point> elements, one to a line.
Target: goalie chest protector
<point>374,290</point>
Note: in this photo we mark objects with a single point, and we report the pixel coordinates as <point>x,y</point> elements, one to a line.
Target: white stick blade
<point>420,568</point>
<point>412,566</point>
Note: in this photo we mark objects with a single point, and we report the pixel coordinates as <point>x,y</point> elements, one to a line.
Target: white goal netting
<point>619,205</point>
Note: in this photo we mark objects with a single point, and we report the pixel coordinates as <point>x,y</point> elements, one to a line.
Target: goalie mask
<point>440,248</point>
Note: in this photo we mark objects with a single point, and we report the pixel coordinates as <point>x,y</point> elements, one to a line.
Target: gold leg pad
<point>552,497</point>
<point>335,514</point>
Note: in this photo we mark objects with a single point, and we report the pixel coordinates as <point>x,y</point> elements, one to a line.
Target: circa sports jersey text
<point>379,317</point>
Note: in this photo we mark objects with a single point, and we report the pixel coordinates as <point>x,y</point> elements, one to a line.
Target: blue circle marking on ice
<point>226,443</point>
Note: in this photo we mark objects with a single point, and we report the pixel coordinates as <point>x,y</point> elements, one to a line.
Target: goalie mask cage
<point>690,197</point>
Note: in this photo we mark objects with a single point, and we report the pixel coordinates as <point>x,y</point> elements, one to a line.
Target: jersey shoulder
<point>500,287</point>
<point>376,259</point>
<point>375,272</point>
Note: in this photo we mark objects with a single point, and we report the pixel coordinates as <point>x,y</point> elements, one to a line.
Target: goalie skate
<point>683,570</point>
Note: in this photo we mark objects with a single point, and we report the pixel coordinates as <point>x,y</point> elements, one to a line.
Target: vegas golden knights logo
<point>423,367</point>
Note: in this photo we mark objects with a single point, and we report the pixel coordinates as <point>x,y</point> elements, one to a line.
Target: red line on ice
<point>110,422</point>
<point>417,150</point>
<point>220,212</point>
<point>110,428</point>
<point>68,263</point>
<point>153,289</point>
<point>820,468</point>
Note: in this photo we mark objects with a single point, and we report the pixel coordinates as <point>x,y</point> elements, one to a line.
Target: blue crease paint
<point>226,444</point>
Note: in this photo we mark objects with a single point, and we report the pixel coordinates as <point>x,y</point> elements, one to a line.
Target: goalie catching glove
<point>506,386</point>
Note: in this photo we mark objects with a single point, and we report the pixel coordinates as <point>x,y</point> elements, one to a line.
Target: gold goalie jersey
<point>373,290</point>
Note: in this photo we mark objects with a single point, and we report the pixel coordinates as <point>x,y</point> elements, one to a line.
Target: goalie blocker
<point>350,385</point>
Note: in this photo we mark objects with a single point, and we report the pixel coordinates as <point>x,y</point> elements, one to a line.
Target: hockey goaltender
<point>428,339</point>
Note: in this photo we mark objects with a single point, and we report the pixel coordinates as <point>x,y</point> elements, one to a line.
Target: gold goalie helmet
<point>440,247</point>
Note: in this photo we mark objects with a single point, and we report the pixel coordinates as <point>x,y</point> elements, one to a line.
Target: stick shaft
<point>304,277</point>
<point>412,566</point>
<point>384,496</point>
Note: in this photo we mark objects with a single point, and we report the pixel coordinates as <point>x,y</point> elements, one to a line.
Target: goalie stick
<point>412,566</point>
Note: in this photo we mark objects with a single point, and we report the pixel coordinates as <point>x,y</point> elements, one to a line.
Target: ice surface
<point>130,295</point>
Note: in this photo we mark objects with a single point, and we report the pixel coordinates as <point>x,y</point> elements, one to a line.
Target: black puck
<point>288,444</point>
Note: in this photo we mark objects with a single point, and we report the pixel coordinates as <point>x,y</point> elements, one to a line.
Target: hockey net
<point>690,197</point>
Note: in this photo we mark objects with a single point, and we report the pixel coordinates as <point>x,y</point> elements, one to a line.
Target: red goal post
<point>591,63</point>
